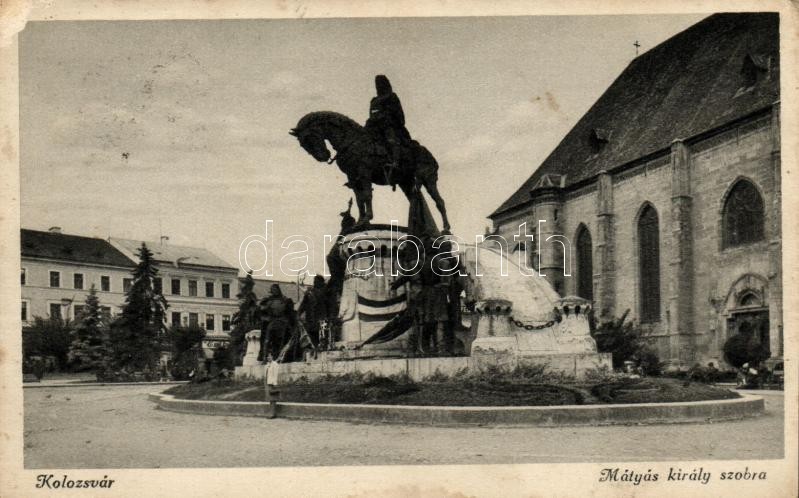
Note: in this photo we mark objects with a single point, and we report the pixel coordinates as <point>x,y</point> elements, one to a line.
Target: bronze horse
<point>362,157</point>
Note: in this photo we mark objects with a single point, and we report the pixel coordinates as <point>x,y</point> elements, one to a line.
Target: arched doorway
<point>747,309</point>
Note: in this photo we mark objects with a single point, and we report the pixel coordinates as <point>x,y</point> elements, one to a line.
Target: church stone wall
<point>580,208</point>
<point>697,276</point>
<point>647,183</point>
<point>743,152</point>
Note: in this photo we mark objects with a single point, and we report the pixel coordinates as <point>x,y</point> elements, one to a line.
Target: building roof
<point>694,82</point>
<point>70,248</point>
<point>172,254</point>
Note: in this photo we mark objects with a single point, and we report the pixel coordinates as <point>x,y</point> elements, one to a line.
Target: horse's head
<point>312,141</point>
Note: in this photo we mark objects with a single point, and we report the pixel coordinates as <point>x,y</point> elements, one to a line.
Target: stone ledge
<point>543,416</point>
<point>106,384</point>
<point>419,368</point>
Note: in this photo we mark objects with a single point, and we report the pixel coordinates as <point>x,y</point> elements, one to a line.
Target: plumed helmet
<point>382,85</point>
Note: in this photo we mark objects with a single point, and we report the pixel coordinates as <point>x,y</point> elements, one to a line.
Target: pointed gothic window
<point>649,264</point>
<point>585,264</point>
<point>742,218</point>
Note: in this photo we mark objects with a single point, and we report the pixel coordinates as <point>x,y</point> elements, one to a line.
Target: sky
<point>138,129</point>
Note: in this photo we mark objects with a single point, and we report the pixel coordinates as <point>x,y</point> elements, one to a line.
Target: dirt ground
<point>117,427</point>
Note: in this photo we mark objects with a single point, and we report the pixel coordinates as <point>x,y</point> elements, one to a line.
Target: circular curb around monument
<point>544,416</point>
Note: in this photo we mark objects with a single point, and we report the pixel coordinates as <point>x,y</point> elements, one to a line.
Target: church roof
<point>719,70</point>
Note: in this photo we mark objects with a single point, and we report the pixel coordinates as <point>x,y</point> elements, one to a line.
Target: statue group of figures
<point>286,333</point>
<point>380,153</point>
<point>433,313</point>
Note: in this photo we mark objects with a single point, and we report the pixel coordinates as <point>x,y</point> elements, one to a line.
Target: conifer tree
<point>88,349</point>
<point>139,332</point>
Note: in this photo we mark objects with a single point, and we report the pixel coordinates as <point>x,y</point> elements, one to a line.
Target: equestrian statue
<point>380,153</point>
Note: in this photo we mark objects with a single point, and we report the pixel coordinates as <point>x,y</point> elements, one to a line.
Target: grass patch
<point>523,386</point>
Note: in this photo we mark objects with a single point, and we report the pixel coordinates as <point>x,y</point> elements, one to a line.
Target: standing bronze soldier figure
<point>277,313</point>
<point>314,309</point>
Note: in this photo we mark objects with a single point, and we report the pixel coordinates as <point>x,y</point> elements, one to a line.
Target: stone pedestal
<point>367,301</point>
<point>253,338</point>
<point>494,333</point>
<point>572,333</point>
<point>562,344</point>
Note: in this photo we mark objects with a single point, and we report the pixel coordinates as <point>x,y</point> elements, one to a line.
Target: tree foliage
<point>625,341</point>
<point>186,344</point>
<point>89,347</point>
<point>138,333</point>
<point>48,337</point>
<point>744,348</point>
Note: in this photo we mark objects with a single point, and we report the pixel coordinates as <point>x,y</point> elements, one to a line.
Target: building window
<point>55,279</point>
<point>226,323</point>
<point>127,283</point>
<point>55,311</point>
<point>209,289</point>
<point>77,281</point>
<point>585,264</point>
<point>158,285</point>
<point>192,287</point>
<point>25,311</point>
<point>226,291</point>
<point>194,319</point>
<point>105,283</point>
<point>175,286</point>
<point>209,321</point>
<point>23,276</point>
<point>649,264</point>
<point>176,318</point>
<point>743,215</point>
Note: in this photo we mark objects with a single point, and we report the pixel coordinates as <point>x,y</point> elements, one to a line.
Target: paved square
<point>117,427</point>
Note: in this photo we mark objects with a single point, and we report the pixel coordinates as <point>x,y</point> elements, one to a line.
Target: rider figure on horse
<point>387,121</point>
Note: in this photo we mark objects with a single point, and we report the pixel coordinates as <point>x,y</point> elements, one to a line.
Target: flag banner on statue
<point>380,310</point>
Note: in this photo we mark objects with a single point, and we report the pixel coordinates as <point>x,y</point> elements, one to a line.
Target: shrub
<point>648,360</point>
<point>186,350</point>
<point>625,341</point>
<point>225,358</point>
<point>744,348</point>
<point>48,337</point>
<point>706,375</point>
<point>600,374</point>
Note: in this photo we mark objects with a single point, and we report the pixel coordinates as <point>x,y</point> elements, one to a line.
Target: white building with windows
<point>58,270</point>
<point>200,287</point>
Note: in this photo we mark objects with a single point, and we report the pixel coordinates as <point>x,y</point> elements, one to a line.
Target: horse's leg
<point>363,196</point>
<point>432,189</point>
<point>367,194</point>
<point>360,204</point>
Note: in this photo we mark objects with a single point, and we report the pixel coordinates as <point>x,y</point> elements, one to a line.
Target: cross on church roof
<point>637,46</point>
